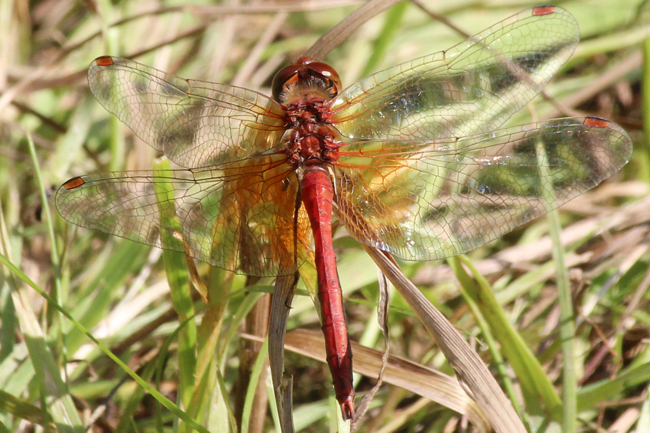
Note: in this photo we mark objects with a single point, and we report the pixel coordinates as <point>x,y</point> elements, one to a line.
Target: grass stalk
<point>179,284</point>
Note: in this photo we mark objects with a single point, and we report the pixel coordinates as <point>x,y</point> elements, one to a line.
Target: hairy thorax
<point>310,138</point>
<point>305,89</point>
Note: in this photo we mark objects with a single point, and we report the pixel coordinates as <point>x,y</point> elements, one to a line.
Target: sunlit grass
<point>187,351</point>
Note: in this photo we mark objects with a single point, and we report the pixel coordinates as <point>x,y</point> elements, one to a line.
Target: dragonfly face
<point>305,79</point>
<point>413,160</point>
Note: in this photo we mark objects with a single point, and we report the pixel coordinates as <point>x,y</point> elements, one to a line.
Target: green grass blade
<point>53,391</point>
<point>391,26</point>
<point>177,276</point>
<point>492,345</point>
<point>567,324</point>
<point>256,373</point>
<point>590,396</point>
<point>537,389</point>
<point>21,409</point>
<point>157,395</point>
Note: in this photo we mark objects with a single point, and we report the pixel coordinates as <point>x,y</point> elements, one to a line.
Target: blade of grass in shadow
<point>472,372</point>
<point>590,396</point>
<point>177,277</point>
<point>537,389</point>
<point>10,404</point>
<point>156,366</point>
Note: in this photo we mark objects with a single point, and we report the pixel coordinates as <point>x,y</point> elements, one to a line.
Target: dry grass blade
<point>270,6</point>
<point>345,28</point>
<point>472,372</point>
<point>280,305</point>
<point>612,75</point>
<point>627,216</point>
<point>251,63</point>
<point>424,381</point>
<point>602,223</point>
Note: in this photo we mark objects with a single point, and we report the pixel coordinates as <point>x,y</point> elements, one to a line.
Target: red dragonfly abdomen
<point>317,195</point>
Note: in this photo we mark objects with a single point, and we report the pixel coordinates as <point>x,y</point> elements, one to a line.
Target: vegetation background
<point>54,377</point>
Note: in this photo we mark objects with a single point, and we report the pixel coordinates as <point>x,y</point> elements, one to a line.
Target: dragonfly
<point>413,160</point>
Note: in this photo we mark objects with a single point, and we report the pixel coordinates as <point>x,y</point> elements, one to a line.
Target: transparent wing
<point>194,123</point>
<point>426,201</point>
<point>470,88</point>
<point>241,217</point>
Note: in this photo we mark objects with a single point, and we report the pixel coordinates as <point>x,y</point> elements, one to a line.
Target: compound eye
<point>329,73</point>
<point>285,76</point>
<point>318,75</point>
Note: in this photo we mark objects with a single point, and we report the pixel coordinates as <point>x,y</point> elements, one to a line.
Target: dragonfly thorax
<point>310,138</point>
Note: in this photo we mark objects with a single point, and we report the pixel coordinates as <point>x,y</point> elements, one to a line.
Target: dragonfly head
<point>306,79</point>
